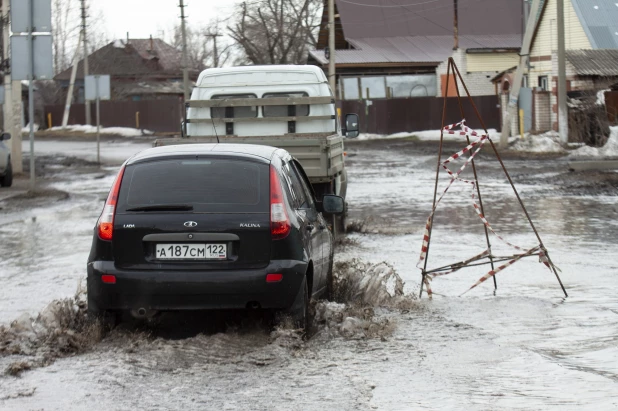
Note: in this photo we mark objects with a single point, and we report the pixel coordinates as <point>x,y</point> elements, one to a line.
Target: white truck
<point>290,107</point>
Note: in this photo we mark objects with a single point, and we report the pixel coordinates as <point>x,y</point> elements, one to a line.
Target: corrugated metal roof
<point>414,49</point>
<point>600,21</point>
<point>402,18</point>
<point>600,62</point>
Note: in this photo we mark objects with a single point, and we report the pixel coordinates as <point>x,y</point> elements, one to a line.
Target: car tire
<point>7,179</point>
<point>299,312</point>
<point>330,278</point>
<point>108,319</point>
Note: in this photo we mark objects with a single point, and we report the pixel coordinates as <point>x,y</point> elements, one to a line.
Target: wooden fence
<point>154,115</point>
<point>390,116</point>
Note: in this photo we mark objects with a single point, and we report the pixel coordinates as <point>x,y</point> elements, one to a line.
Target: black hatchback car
<point>210,226</point>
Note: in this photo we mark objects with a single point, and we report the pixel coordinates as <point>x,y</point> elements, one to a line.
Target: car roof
<point>253,151</point>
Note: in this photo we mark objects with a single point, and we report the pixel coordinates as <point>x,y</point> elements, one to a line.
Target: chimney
<point>127,37</point>
<point>151,43</point>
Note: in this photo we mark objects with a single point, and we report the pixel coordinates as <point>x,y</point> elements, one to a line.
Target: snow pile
<point>27,128</point>
<point>610,149</point>
<point>601,97</point>
<point>121,131</point>
<point>543,143</point>
<point>426,135</point>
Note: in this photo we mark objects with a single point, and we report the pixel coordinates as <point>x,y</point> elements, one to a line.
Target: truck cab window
<point>235,112</point>
<point>282,111</point>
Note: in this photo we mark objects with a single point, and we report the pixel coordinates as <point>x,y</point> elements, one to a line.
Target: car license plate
<point>191,252</point>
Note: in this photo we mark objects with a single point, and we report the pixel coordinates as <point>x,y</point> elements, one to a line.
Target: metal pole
<point>563,116</point>
<point>98,120</point>
<point>331,47</point>
<point>86,70</point>
<point>185,62</point>
<point>31,92</point>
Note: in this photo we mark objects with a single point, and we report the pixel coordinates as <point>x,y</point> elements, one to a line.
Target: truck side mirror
<point>351,125</point>
<point>333,204</point>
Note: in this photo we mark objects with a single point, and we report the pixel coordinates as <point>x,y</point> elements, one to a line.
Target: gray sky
<point>141,18</point>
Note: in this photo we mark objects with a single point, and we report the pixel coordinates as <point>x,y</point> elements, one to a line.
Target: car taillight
<point>106,221</point>
<point>279,222</point>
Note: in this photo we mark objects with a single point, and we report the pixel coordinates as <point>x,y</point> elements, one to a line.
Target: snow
<point>121,131</point>
<point>601,97</point>
<point>27,128</point>
<point>610,149</point>
<point>426,135</point>
<point>548,142</point>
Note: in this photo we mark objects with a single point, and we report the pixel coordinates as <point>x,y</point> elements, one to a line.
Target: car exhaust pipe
<point>143,313</point>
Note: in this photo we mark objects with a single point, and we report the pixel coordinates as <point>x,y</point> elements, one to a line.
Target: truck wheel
<point>7,180</point>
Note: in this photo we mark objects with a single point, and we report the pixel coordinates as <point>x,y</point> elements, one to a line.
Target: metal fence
<point>389,116</point>
<point>154,115</point>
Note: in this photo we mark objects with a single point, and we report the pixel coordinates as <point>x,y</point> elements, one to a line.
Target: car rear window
<point>207,184</point>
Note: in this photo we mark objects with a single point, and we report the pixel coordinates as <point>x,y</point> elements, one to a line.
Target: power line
<point>390,6</point>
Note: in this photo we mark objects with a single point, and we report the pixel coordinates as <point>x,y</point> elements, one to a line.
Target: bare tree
<point>198,50</point>
<point>275,31</point>
<point>65,32</point>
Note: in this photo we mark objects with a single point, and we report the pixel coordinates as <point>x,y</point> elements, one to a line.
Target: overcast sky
<point>141,18</point>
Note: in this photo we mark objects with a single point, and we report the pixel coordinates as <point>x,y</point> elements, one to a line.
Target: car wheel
<point>7,180</point>
<point>300,308</point>
<point>108,319</point>
<point>330,278</point>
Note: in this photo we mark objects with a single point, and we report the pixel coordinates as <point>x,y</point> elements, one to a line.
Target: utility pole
<point>215,52</point>
<point>331,47</point>
<point>86,71</point>
<point>185,62</point>
<point>524,56</point>
<point>12,97</point>
<point>563,116</point>
<point>456,25</point>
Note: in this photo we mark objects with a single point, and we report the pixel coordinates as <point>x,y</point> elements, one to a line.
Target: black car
<point>210,226</point>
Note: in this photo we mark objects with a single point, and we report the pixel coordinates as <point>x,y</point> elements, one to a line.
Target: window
<point>304,185</point>
<point>418,85</point>
<point>282,111</point>
<point>235,112</point>
<point>209,185</point>
<point>299,197</point>
<point>350,88</point>
<point>373,87</point>
<point>543,83</point>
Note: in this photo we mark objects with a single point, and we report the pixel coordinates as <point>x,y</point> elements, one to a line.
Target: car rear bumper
<point>194,290</point>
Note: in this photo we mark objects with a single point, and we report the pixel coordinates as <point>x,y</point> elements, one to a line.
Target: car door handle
<point>310,227</point>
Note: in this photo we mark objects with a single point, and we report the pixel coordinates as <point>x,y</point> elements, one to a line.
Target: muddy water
<point>521,347</point>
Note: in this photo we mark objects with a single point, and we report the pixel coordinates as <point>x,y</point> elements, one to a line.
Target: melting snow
<point>543,143</point>
<point>610,149</point>
<point>121,131</point>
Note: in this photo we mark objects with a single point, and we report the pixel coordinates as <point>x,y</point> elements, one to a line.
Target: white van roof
<point>261,75</point>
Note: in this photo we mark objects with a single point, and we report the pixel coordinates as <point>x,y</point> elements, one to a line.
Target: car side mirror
<point>351,125</point>
<point>5,136</point>
<point>333,204</point>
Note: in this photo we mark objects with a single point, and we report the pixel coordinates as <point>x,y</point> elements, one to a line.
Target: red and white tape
<point>478,144</point>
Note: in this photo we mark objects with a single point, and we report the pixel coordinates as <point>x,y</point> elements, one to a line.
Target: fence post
<point>137,119</point>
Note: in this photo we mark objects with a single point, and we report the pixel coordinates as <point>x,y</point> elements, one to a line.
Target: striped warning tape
<point>454,176</point>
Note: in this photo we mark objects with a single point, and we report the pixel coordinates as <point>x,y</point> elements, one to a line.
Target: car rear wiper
<point>163,207</point>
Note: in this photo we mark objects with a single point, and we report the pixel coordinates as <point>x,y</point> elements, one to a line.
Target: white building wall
<point>479,83</point>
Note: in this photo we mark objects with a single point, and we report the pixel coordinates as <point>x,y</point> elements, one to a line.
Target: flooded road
<point>523,346</point>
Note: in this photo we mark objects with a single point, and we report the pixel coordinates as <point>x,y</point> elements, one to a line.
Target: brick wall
<point>479,84</point>
<point>542,111</point>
